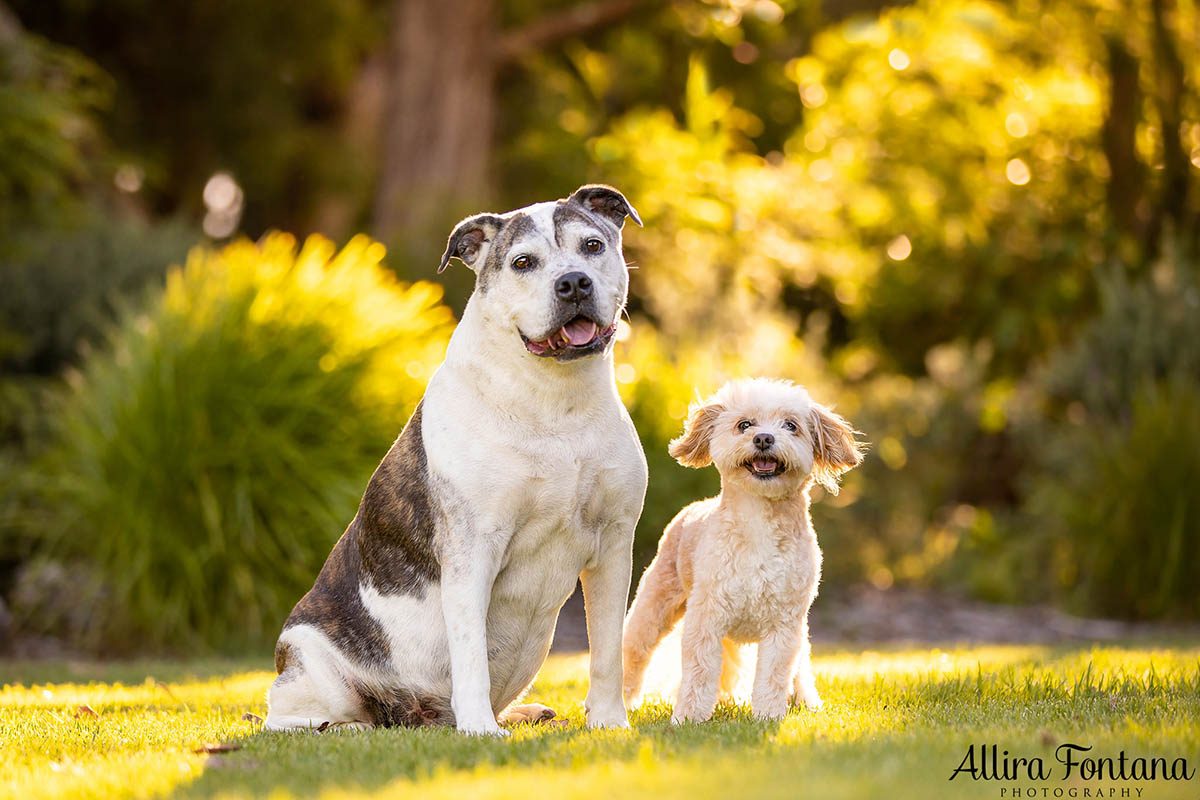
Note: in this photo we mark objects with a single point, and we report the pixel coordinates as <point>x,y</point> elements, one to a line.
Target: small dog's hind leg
<point>659,604</point>
<point>772,677</point>
<point>804,685</point>
<point>731,668</point>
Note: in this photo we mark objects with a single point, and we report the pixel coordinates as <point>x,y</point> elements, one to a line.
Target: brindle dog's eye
<point>789,425</point>
<point>593,246</point>
<point>521,262</point>
<point>743,425</point>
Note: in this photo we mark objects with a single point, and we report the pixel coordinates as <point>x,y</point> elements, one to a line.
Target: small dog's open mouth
<point>765,467</point>
<point>577,336</point>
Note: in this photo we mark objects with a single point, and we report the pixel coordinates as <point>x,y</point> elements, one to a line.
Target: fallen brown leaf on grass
<point>223,747</point>
<point>86,711</point>
<point>250,716</point>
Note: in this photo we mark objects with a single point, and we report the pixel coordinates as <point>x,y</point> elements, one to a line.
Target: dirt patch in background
<point>865,615</point>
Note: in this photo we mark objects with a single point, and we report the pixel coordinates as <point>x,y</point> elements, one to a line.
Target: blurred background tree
<point>972,225</point>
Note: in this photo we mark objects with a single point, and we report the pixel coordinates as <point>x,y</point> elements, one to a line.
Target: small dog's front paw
<point>772,713</point>
<point>684,717</point>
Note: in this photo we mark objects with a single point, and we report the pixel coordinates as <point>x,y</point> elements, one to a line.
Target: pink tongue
<point>579,331</point>
<point>764,466</point>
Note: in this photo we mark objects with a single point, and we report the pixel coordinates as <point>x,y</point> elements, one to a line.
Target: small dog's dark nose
<point>763,441</point>
<point>573,287</point>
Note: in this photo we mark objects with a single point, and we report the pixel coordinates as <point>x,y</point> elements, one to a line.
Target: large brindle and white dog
<point>518,473</point>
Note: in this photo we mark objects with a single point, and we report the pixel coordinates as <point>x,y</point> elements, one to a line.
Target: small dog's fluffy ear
<point>835,448</point>
<point>691,449</point>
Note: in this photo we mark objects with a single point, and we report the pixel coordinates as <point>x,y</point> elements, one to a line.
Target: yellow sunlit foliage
<point>207,461</point>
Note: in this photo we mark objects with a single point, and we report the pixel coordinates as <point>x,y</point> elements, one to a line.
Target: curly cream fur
<point>742,566</point>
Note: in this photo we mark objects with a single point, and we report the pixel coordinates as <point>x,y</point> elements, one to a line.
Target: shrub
<point>205,461</point>
<point>1125,517</point>
<point>1109,521</point>
<point>62,283</point>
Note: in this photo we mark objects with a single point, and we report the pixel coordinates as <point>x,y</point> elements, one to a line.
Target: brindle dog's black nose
<point>763,441</point>
<point>573,287</point>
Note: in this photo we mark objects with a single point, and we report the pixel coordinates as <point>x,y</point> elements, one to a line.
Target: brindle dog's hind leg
<point>311,693</point>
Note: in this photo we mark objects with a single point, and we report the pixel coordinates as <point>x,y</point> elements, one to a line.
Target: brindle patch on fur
<point>566,212</point>
<point>406,709</point>
<point>514,227</point>
<point>394,526</point>
<point>389,545</point>
<point>283,657</point>
<point>334,607</point>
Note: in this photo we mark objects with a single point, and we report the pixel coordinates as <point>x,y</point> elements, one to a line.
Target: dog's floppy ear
<point>691,449</point>
<point>835,448</point>
<point>605,201</point>
<point>469,239</point>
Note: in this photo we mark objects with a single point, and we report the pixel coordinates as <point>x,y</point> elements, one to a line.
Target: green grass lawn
<point>896,724</point>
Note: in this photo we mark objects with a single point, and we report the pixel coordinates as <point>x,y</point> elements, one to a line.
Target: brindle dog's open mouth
<point>580,336</point>
<point>765,467</point>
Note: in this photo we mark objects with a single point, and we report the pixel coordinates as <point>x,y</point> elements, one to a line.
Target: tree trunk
<point>439,112</point>
<point>1120,128</point>
<point>1169,69</point>
<point>440,105</point>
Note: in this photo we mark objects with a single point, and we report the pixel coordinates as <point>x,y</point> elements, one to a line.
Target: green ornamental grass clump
<point>207,459</point>
<point>1111,502</point>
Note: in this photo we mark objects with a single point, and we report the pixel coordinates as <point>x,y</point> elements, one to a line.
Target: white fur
<point>538,478</point>
<point>743,566</point>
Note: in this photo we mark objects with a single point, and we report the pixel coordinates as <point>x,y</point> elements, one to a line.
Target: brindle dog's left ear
<point>605,201</point>
<point>469,237</point>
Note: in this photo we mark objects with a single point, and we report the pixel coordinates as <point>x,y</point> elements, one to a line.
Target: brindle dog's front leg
<point>469,570</point>
<point>605,593</point>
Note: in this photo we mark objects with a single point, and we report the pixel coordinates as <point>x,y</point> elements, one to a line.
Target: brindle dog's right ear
<point>468,243</point>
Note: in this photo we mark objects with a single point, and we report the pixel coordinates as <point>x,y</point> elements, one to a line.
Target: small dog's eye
<point>743,425</point>
<point>521,262</point>
<point>593,246</point>
<point>789,425</point>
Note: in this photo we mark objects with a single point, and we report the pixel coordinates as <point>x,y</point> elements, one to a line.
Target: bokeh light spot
<point>821,169</point>
<point>1016,125</point>
<point>899,248</point>
<point>128,178</point>
<point>898,59</point>
<point>745,53</point>
<point>1017,172</point>
<point>224,199</point>
<point>813,95</point>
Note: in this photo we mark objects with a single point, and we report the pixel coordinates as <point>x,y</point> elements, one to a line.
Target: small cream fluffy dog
<point>743,566</point>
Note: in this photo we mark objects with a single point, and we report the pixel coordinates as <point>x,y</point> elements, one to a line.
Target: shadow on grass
<point>917,721</point>
<point>305,764</point>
